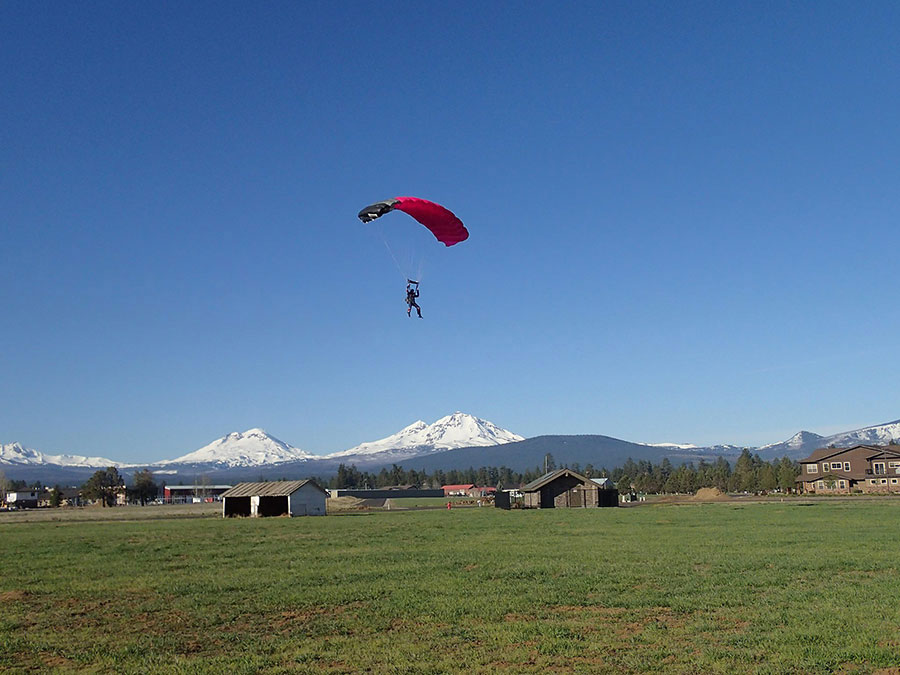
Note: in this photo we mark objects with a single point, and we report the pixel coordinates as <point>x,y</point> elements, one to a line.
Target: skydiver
<point>412,292</point>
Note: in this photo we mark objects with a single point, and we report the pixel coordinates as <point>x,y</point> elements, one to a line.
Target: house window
<point>879,468</point>
<point>846,466</point>
<point>835,465</point>
<point>812,468</point>
<point>842,483</point>
<point>821,485</point>
<point>884,481</point>
<point>893,481</point>
<point>895,466</point>
<point>872,481</point>
<point>824,467</point>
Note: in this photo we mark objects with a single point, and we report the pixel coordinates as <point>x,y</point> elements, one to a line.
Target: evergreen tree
<point>786,474</point>
<point>768,481</point>
<point>103,486</point>
<point>145,487</point>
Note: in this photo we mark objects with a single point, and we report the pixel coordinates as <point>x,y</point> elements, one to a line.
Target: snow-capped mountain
<point>801,444</point>
<point>796,447</point>
<point>685,449</point>
<point>459,433</point>
<point>458,430</point>
<point>16,454</point>
<point>880,434</point>
<point>254,447</point>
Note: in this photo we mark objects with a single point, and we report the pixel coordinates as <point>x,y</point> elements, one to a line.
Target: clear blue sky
<point>684,220</point>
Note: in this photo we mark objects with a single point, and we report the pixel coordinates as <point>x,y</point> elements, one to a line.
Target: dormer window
<point>812,468</point>
<point>836,465</point>
<point>846,466</point>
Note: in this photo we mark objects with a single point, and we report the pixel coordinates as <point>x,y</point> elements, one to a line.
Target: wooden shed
<point>564,488</point>
<point>276,498</point>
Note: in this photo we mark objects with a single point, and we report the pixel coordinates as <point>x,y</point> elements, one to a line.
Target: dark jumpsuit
<point>411,295</point>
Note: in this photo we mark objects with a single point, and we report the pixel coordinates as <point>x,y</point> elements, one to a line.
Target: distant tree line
<point>750,473</point>
<point>351,477</point>
<point>103,486</point>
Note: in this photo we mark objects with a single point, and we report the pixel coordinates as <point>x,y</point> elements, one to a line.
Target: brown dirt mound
<point>710,495</point>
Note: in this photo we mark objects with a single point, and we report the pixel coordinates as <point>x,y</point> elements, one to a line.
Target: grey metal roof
<point>278,488</point>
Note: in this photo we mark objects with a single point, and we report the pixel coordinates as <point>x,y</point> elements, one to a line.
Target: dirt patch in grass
<point>624,623</point>
<point>56,661</point>
<point>729,624</point>
<point>512,617</point>
<point>294,617</point>
<point>12,596</point>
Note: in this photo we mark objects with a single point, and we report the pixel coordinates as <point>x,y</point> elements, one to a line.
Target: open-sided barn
<point>565,488</point>
<point>277,498</point>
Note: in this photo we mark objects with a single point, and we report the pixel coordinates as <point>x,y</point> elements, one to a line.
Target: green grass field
<point>711,588</point>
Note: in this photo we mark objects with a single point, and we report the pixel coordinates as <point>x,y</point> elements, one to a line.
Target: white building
<point>277,498</point>
<point>23,498</point>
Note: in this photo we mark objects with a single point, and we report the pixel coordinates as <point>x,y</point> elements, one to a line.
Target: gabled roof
<point>538,483</point>
<point>279,488</point>
<point>826,453</point>
<point>889,451</point>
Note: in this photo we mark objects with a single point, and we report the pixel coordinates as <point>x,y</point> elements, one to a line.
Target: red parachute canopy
<point>446,227</point>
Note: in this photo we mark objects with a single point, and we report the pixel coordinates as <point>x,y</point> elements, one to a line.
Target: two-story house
<point>861,468</point>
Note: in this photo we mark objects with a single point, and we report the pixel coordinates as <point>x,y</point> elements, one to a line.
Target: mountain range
<point>456,441</point>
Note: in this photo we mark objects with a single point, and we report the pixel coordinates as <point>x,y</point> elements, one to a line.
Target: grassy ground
<point>712,588</point>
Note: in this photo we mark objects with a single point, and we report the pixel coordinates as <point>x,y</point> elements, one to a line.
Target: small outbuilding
<point>23,499</point>
<point>276,498</point>
<point>564,488</point>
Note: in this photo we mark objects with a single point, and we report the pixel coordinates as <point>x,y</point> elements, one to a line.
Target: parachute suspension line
<point>390,250</point>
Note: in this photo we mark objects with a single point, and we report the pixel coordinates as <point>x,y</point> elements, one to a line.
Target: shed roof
<point>538,483</point>
<point>278,488</point>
